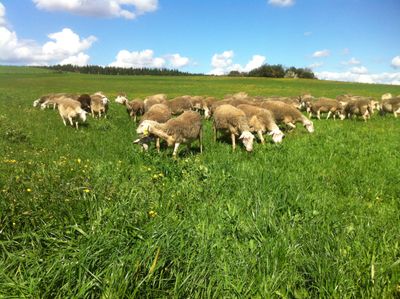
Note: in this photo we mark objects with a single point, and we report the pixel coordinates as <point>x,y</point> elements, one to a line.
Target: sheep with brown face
<point>391,105</point>
<point>325,105</point>
<point>159,113</point>
<point>185,128</point>
<point>228,118</point>
<point>287,114</point>
<point>71,110</point>
<point>155,99</point>
<point>134,108</point>
<point>261,121</point>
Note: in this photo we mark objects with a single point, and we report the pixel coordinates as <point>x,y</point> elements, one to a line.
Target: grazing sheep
<point>159,113</point>
<point>331,106</point>
<point>184,129</point>
<point>134,107</point>
<point>98,105</point>
<point>287,114</point>
<point>391,105</point>
<point>154,99</point>
<point>233,120</point>
<point>180,104</point>
<point>51,100</point>
<point>208,102</point>
<point>358,106</point>
<point>260,121</point>
<point>71,110</point>
<point>386,96</point>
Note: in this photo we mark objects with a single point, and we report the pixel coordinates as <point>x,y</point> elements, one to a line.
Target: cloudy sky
<point>346,40</point>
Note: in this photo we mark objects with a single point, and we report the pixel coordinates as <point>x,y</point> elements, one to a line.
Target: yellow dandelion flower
<point>78,160</point>
<point>29,190</point>
<point>86,190</point>
<point>155,176</point>
<point>152,214</point>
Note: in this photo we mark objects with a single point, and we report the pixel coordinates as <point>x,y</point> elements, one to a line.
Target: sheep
<point>159,113</point>
<point>134,107</point>
<point>261,120</point>
<point>51,100</point>
<point>386,96</point>
<point>288,115</point>
<point>233,120</point>
<point>208,102</point>
<point>331,106</point>
<point>358,106</point>
<point>183,129</point>
<point>71,109</point>
<point>180,104</point>
<point>154,99</point>
<point>98,104</point>
<point>391,105</point>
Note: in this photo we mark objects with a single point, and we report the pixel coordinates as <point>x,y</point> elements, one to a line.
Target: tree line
<point>276,71</point>
<point>111,70</point>
<point>266,70</point>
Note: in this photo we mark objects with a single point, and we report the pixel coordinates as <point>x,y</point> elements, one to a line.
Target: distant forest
<point>266,70</point>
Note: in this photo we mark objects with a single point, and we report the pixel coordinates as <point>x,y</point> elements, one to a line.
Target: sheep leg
<point>291,125</point>
<point>70,120</point>
<point>201,140</point>
<point>318,114</point>
<point>329,114</point>
<point>176,146</point>
<point>260,135</point>
<point>158,144</point>
<point>233,141</point>
<point>63,119</point>
<point>76,125</point>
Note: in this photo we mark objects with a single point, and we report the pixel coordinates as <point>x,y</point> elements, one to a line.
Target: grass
<point>85,214</point>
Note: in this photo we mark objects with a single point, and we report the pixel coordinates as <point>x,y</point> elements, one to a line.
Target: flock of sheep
<point>179,120</point>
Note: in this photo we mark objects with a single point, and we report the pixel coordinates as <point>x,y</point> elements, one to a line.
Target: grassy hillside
<point>85,214</point>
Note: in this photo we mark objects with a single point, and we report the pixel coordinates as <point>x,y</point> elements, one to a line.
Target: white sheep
<point>261,120</point>
<point>230,119</point>
<point>185,128</point>
<point>71,110</point>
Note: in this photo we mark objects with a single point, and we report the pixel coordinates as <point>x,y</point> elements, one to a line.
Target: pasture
<point>85,214</point>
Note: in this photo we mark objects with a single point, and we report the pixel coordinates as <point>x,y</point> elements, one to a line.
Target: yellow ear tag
<point>145,132</point>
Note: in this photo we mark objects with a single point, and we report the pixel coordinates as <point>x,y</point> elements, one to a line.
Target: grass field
<point>85,214</point>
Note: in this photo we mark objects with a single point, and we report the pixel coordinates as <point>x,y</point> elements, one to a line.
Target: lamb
<point>98,104</point>
<point>159,113</point>
<point>288,115</point>
<point>71,109</point>
<point>261,120</point>
<point>184,129</point>
<point>391,105</point>
<point>359,107</point>
<point>331,106</point>
<point>134,107</point>
<point>154,99</point>
<point>233,120</point>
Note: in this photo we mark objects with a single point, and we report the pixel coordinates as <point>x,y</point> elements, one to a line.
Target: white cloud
<point>321,53</point>
<point>316,65</point>
<point>352,61</point>
<point>177,61</point>
<point>100,8</point>
<point>138,59</point>
<point>396,62</point>
<point>359,70</point>
<point>81,59</point>
<point>223,63</point>
<point>383,78</point>
<point>282,3</point>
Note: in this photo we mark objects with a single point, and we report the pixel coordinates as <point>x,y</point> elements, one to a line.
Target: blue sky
<point>350,40</point>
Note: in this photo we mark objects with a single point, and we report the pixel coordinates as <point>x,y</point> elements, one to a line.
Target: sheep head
<point>277,135</point>
<point>144,127</point>
<point>121,99</point>
<point>247,139</point>
<point>308,124</point>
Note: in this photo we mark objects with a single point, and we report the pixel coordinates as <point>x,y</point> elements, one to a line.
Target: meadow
<point>85,214</point>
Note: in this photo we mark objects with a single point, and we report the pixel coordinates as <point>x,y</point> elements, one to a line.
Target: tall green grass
<point>86,214</point>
